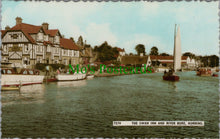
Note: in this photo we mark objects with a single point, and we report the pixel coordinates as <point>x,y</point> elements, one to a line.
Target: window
<point>9,72</point>
<point>38,60</point>
<point>31,72</point>
<point>26,48</point>
<point>25,72</point>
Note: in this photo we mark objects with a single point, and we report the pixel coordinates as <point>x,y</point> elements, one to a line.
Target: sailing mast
<point>177,50</point>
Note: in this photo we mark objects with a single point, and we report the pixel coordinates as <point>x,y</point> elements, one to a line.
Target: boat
<point>215,74</point>
<point>70,77</point>
<point>10,88</point>
<point>204,72</point>
<point>10,77</point>
<point>171,75</point>
<point>90,76</point>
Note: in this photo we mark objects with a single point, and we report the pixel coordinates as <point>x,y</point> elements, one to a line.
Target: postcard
<point>135,69</point>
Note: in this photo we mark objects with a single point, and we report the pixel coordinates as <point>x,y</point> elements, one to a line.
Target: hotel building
<point>25,45</point>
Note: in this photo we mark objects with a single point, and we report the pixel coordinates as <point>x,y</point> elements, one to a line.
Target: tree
<point>164,54</point>
<point>140,48</point>
<point>131,54</point>
<point>80,41</point>
<point>106,52</point>
<point>154,51</point>
<point>189,54</point>
<point>71,38</point>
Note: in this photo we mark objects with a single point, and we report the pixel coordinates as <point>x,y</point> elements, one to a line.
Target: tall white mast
<point>177,50</point>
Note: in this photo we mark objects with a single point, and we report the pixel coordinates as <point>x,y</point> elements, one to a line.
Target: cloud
<point>98,33</point>
<point>147,40</point>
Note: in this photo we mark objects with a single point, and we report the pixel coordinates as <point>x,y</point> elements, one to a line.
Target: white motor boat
<point>25,77</point>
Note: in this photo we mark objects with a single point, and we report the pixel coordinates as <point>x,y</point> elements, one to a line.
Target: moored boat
<point>70,77</point>
<point>10,88</point>
<point>25,77</point>
<point>215,74</point>
<point>90,76</point>
<point>204,72</point>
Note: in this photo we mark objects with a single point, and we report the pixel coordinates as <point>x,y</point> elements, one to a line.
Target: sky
<point>125,24</point>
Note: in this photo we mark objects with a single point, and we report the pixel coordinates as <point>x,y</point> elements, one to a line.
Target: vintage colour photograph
<point>109,69</point>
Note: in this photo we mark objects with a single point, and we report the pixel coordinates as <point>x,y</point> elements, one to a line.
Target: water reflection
<point>78,83</point>
<point>174,86</point>
<point>27,94</point>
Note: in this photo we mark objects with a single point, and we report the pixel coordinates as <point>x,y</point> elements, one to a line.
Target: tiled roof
<point>68,44</point>
<point>51,32</point>
<point>3,32</point>
<point>120,50</point>
<point>134,60</point>
<point>27,28</point>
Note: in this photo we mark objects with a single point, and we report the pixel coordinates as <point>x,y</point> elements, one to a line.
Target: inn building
<point>25,45</point>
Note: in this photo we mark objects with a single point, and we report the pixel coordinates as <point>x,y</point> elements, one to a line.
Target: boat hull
<point>90,76</point>
<point>70,77</point>
<point>16,80</point>
<point>51,80</point>
<point>10,88</point>
<point>171,78</point>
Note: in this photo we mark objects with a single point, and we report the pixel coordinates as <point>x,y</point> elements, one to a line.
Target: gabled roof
<point>52,32</point>
<point>28,29</point>
<point>68,44</point>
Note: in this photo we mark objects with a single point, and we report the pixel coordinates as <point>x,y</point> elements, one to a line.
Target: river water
<point>87,108</point>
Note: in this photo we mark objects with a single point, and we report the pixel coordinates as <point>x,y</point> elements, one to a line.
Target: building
<point>25,45</point>
<point>167,61</point>
<point>164,61</point>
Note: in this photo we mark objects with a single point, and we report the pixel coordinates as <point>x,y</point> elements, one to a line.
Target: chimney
<point>45,26</point>
<point>18,20</point>
<point>7,28</point>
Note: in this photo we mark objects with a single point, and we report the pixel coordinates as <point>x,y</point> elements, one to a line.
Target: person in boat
<point>165,72</point>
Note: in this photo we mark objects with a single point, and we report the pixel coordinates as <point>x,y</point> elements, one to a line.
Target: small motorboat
<point>10,77</point>
<point>204,72</point>
<point>215,74</point>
